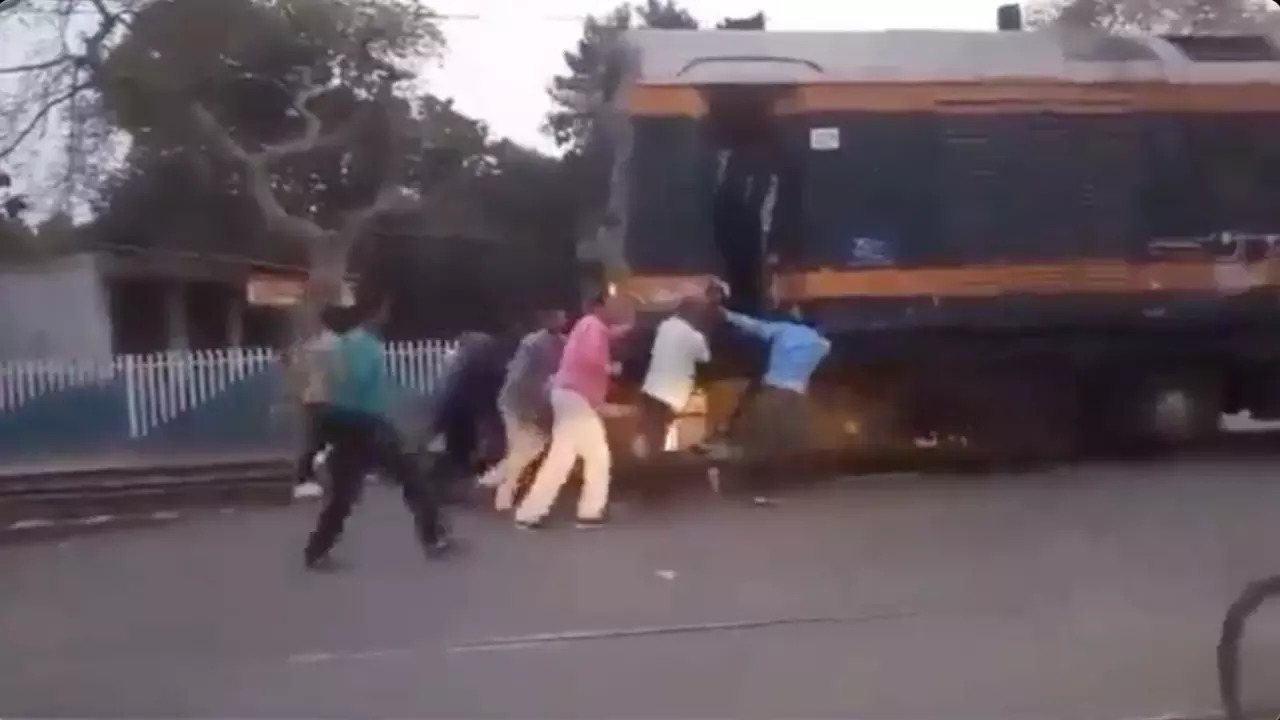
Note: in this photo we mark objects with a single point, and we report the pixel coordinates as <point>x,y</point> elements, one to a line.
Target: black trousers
<point>461,436</point>
<point>362,442</point>
<point>314,442</point>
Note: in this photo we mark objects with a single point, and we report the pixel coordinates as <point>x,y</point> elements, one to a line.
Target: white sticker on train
<point>824,138</point>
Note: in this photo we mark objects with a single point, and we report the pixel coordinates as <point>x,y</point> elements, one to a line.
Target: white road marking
<point>542,640</point>
<point>93,520</point>
<point>514,642</point>
<point>30,523</point>
<point>305,658</point>
<point>320,657</point>
<point>1206,715</point>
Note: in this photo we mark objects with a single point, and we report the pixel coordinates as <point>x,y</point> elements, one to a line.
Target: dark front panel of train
<point>916,191</point>
<point>669,210</point>
<point>1209,173</point>
<point>927,190</point>
<point>922,189</point>
<point>872,199</point>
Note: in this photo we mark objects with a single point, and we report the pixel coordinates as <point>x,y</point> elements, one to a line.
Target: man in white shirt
<point>678,347</point>
<point>314,365</point>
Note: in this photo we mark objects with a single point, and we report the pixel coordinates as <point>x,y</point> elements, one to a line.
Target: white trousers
<point>576,432</point>
<point>525,441</point>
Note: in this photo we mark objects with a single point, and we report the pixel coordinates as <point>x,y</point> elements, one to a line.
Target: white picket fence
<point>159,387</point>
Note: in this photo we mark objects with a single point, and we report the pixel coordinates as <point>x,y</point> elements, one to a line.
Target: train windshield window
<point>1237,159</point>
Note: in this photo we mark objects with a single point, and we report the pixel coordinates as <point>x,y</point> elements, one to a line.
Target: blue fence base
<point>168,405</point>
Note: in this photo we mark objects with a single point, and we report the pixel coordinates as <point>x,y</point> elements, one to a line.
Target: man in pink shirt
<point>578,390</point>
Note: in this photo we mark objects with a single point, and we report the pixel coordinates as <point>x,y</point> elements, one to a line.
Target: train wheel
<point>1026,419</point>
<point>1165,410</point>
<point>1179,409</point>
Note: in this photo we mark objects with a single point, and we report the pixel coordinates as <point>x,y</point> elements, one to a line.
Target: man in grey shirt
<point>524,406</point>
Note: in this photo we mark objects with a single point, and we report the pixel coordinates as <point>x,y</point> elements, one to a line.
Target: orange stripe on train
<point>1086,277</point>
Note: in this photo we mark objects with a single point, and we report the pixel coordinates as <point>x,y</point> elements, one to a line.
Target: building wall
<point>56,308</point>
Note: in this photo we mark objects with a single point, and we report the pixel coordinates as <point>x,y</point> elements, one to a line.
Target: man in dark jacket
<point>450,406</point>
<point>463,406</point>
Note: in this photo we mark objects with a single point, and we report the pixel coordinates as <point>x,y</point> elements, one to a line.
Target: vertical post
<point>1009,18</point>
<point>175,315</point>
<point>128,365</point>
<point>235,321</point>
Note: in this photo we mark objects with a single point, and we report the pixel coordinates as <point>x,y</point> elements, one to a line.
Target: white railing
<point>158,387</point>
<point>418,364</point>
<point>162,386</point>
<point>24,380</point>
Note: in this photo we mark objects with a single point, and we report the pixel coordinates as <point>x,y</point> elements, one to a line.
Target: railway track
<point>46,505</point>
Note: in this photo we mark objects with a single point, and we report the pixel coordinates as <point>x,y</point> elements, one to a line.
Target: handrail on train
<point>750,58</point>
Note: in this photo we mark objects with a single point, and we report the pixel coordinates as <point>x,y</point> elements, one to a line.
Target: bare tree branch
<point>257,165</point>
<point>216,133</point>
<point>258,177</point>
<point>32,67</point>
<point>390,197</point>
<point>311,137</point>
<point>40,117</point>
<point>72,64</point>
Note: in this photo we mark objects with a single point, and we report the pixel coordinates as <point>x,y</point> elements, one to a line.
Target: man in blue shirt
<point>775,427</point>
<point>357,425</point>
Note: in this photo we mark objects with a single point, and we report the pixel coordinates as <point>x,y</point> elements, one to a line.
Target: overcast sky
<point>498,66</point>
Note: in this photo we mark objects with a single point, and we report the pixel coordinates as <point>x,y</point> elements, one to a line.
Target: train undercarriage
<point>1009,400</point>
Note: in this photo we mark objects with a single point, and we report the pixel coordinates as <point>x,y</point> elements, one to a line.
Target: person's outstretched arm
<point>762,329</point>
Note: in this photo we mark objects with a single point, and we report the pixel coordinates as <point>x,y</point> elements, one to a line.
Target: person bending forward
<point>524,407</point>
<point>578,390</point>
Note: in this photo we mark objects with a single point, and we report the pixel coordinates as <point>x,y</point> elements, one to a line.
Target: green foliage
<point>751,22</point>
<point>664,14</point>
<point>197,200</point>
<point>1153,16</point>
<point>592,67</point>
<point>16,237</point>
<point>19,241</point>
<point>245,59</point>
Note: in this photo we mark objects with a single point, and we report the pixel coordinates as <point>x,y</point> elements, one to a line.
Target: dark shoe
<point>440,548</point>
<point>591,523</point>
<point>323,564</point>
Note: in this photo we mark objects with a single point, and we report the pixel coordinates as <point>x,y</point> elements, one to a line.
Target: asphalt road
<point>1093,592</point>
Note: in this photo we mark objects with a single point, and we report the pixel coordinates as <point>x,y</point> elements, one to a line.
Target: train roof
<point>714,57</point>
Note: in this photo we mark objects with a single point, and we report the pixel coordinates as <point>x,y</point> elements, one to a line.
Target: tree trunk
<point>325,280</point>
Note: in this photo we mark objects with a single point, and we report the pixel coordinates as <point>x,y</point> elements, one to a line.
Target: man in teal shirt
<point>358,426</point>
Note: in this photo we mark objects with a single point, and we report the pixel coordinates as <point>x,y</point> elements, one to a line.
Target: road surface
<point>1093,592</point>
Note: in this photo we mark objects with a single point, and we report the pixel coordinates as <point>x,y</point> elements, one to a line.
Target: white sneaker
<point>321,458</point>
<point>307,490</point>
